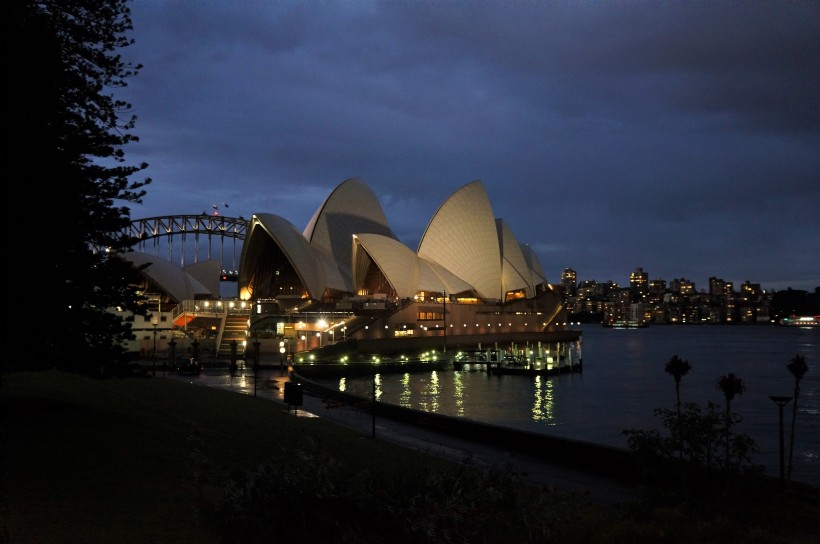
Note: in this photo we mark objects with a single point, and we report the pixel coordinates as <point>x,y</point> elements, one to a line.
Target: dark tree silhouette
<point>798,368</point>
<point>65,139</point>
<point>731,386</point>
<point>678,368</point>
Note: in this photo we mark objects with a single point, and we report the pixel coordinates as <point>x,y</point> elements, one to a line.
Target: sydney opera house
<point>345,287</point>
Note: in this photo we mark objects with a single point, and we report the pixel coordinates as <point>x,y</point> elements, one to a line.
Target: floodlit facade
<point>346,284</point>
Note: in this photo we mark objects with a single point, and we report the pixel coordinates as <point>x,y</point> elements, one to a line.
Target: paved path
<point>271,385</point>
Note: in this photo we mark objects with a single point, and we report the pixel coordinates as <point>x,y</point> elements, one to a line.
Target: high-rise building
<point>638,283</point>
<point>716,287</point>
<point>657,286</point>
<point>682,286</point>
<point>569,280</point>
<point>589,289</point>
<point>750,290</point>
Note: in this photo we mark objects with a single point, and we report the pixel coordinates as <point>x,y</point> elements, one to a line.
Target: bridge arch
<point>188,239</point>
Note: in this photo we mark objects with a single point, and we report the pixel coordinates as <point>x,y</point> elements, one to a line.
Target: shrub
<point>305,494</point>
<point>686,460</point>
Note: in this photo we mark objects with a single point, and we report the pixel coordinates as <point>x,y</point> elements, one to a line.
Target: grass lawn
<point>118,461</point>
<point>88,460</point>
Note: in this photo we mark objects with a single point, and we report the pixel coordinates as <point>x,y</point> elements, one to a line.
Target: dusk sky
<point>679,137</point>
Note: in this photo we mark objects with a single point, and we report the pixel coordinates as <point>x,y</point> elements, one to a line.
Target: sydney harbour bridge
<point>185,240</point>
<point>189,239</point>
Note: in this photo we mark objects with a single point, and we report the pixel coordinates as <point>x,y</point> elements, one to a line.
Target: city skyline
<point>699,285</point>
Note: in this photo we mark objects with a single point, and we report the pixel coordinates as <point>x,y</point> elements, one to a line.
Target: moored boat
<point>625,324</point>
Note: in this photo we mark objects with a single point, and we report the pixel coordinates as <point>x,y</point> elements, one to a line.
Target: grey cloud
<point>686,121</point>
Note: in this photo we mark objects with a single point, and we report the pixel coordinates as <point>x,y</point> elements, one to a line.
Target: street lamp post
<point>282,351</point>
<point>781,402</point>
<point>374,403</point>
<point>195,351</point>
<point>172,353</point>
<point>255,364</point>
<point>154,322</point>
<point>444,317</point>
<point>233,366</point>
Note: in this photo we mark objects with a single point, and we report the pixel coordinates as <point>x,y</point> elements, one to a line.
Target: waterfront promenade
<point>486,449</point>
<point>601,473</point>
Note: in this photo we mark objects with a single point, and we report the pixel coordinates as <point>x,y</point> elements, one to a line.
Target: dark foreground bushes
<point>305,494</point>
<point>131,461</point>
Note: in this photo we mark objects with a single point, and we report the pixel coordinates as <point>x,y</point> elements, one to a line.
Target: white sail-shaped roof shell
<point>397,262</point>
<point>309,267</point>
<point>436,278</point>
<point>337,275</point>
<point>170,278</point>
<point>462,237</point>
<point>515,273</point>
<point>407,273</point>
<point>351,208</point>
<point>538,276</point>
<point>207,273</point>
<point>464,249</point>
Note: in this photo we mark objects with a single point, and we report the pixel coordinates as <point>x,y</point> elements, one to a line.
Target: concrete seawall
<point>618,464</point>
<point>609,461</point>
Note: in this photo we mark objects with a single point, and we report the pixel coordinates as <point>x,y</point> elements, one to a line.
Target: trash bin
<point>293,394</point>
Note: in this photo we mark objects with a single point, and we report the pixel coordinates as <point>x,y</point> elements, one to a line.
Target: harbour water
<point>623,382</point>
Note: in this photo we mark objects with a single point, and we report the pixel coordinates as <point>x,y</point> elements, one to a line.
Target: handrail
<point>216,307</point>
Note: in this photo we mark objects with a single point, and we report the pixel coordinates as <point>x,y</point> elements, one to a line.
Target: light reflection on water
<point>377,386</point>
<point>623,381</point>
<point>458,390</point>
<point>406,394</point>
<point>542,408</point>
<point>433,390</point>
